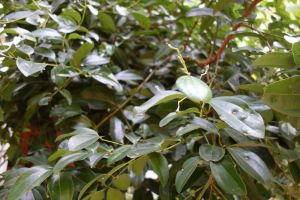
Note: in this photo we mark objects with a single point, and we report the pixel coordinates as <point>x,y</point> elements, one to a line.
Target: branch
<point>120,107</point>
<point>215,57</point>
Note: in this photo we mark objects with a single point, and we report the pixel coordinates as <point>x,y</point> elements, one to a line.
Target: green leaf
<point>143,20</point>
<point>283,96</point>
<point>275,59</point>
<point>186,129</point>
<point>161,97</point>
<point>160,166</point>
<point>114,194</point>
<point>29,179</point>
<point>141,149</point>
<point>64,161</point>
<point>57,154</point>
<point>210,152</point>
<point>110,81</point>
<point>71,14</point>
<point>119,154</point>
<point>1,114</point>
<point>107,23</point>
<point>194,88</point>
<point>227,177</point>
<point>65,93</point>
<point>253,87</point>
<point>203,12</point>
<point>237,114</point>
<point>28,68</point>
<point>61,187</point>
<point>45,52</point>
<point>85,138</point>
<point>251,164</point>
<point>46,33</point>
<point>138,165</point>
<point>121,182</point>
<point>223,4</point>
<point>98,195</point>
<point>173,115</point>
<point>15,16</point>
<point>296,52</point>
<point>182,176</point>
<point>81,53</point>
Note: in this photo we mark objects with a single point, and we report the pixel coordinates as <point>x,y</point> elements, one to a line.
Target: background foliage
<point>89,104</point>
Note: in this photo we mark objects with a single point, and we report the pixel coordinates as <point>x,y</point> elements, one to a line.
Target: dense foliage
<point>96,95</point>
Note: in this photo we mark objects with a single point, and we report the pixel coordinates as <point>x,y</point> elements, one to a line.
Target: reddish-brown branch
<point>215,57</point>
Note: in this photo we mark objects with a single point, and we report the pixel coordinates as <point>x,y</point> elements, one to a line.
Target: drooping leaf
<point>28,68</point>
<point>275,59</point>
<point>161,97</point>
<point>251,164</point>
<point>182,176</point>
<point>65,160</point>
<point>227,177</point>
<point>117,130</point>
<point>237,114</point>
<point>31,178</point>
<point>211,153</point>
<point>283,96</point>
<point>160,166</point>
<point>61,187</point>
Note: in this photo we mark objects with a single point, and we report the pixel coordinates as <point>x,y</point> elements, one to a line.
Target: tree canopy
<point>150,99</point>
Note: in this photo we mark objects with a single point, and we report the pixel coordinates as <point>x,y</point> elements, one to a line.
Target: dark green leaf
<point>182,176</point>
<point>160,166</point>
<point>251,164</point>
<point>61,187</point>
<point>227,177</point>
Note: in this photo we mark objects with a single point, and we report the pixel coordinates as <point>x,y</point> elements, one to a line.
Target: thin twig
<point>120,107</point>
